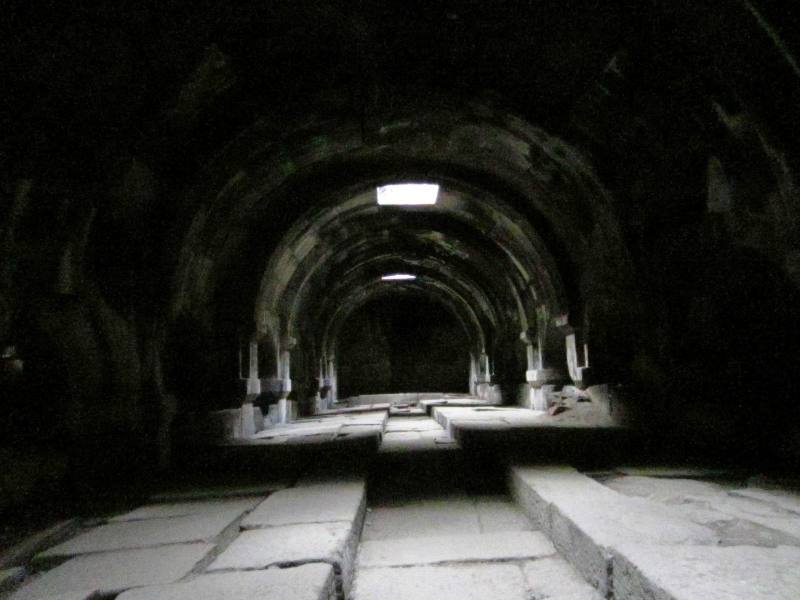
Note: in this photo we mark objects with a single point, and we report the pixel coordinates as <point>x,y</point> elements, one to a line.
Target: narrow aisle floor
<point>415,433</point>
<point>429,534</point>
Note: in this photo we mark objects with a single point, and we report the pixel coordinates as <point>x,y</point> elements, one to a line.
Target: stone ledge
<point>587,521</point>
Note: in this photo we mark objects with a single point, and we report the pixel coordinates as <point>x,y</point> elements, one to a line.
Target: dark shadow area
<point>403,344</point>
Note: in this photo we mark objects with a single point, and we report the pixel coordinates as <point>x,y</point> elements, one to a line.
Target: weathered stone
<point>452,582</point>
<point>232,508</point>
<point>333,543</point>
<point>310,504</point>
<point>508,545</point>
<point>555,579</point>
<point>112,572</point>
<point>144,534</point>
<point>652,572</point>
<point>306,582</point>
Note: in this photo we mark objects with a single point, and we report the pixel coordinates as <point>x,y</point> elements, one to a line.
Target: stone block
<point>233,508</point>
<point>450,582</point>
<point>310,504</point>
<point>587,520</point>
<point>306,582</point>
<point>143,534</point>
<point>651,572</point>
<point>333,543</point>
<point>113,572</point>
<point>507,545</point>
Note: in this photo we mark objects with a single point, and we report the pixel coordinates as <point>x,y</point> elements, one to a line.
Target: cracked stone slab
<point>333,543</point>
<point>508,545</point>
<point>306,582</point>
<point>143,534</point>
<point>112,572</point>
<point>586,520</point>
<point>450,582</point>
<point>554,578</point>
<point>233,508</point>
<point>310,504</point>
<point>647,572</point>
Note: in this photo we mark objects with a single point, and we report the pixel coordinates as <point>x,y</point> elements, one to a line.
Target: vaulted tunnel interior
<point>191,222</point>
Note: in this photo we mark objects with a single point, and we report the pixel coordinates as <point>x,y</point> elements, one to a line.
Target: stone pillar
<point>577,358</point>
<point>247,424</point>
<point>474,368</point>
<point>483,385</point>
<point>285,375</point>
<point>333,393</point>
<point>537,377</point>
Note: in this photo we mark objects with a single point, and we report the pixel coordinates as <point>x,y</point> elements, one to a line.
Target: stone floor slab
<point>261,548</point>
<point>143,534</point>
<point>332,543</point>
<point>232,507</point>
<point>422,517</point>
<point>456,582</point>
<point>310,504</point>
<point>110,572</point>
<point>508,545</point>
<point>646,572</point>
<point>496,513</point>
<point>554,578</point>
<point>306,582</point>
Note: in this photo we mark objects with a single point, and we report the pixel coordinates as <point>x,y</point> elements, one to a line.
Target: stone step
<point>306,582</point>
<point>507,545</point>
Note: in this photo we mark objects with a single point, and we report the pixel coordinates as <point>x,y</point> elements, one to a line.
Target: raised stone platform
<point>662,539</point>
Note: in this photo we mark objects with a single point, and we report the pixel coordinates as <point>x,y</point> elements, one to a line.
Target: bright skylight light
<point>399,277</point>
<point>407,194</point>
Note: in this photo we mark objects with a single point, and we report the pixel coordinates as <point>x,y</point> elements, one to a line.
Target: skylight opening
<point>399,277</point>
<point>408,194</point>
